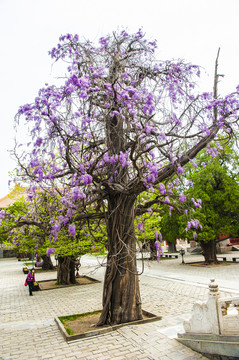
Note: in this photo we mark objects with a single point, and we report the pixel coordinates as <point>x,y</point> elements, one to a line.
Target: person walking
<point>30,281</point>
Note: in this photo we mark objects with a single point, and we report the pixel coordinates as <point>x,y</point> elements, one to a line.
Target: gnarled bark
<point>47,263</point>
<point>121,295</point>
<point>66,270</point>
<point>209,252</point>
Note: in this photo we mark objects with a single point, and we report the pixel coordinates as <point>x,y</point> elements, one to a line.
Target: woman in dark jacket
<point>30,281</point>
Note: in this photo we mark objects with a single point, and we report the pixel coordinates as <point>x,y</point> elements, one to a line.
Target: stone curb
<point>66,286</point>
<point>67,337</point>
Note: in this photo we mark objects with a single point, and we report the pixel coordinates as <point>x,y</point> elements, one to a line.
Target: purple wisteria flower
<point>182,198</point>
<point>156,235</point>
<point>180,170</point>
<point>159,250</point>
<point>86,179</point>
<point>194,223</point>
<point>77,194</point>
<point>166,200</point>
<point>72,229</point>
<point>162,189</point>
<point>197,203</point>
<point>123,158</point>
<point>157,245</point>
<point>38,141</point>
<point>50,251</point>
<point>2,214</point>
<point>141,227</point>
<point>190,184</point>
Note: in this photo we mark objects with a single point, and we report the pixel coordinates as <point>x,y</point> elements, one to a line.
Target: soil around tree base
<point>84,325</point>
<point>52,284</point>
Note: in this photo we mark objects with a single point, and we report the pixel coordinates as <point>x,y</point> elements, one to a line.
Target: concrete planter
<point>41,282</point>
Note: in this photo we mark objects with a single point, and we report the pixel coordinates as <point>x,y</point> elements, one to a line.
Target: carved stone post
<point>205,315</point>
<point>213,297</point>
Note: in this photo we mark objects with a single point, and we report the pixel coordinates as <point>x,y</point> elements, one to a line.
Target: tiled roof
<point>11,198</point>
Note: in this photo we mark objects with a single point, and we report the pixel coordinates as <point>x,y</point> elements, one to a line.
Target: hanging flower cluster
<point>159,245</point>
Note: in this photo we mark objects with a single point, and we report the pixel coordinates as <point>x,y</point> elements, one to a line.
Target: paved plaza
<point>168,289</point>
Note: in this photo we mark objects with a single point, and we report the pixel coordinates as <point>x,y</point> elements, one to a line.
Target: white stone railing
<point>217,315</point>
<point>228,314</point>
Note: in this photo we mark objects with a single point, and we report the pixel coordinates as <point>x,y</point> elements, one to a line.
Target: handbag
<point>36,286</point>
<point>26,283</point>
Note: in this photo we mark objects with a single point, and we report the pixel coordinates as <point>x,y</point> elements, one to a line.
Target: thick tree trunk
<point>47,263</point>
<point>72,271</point>
<point>209,252</point>
<point>21,256</point>
<point>66,270</point>
<point>121,295</point>
<point>171,247</point>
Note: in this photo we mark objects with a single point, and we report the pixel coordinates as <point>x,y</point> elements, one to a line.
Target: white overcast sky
<point>187,29</point>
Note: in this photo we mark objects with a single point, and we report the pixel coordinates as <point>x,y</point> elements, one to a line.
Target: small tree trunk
<point>209,252</point>
<point>153,250</point>
<point>47,263</point>
<point>121,295</point>
<point>38,258</point>
<point>66,270</point>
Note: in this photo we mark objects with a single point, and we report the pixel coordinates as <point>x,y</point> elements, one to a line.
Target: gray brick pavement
<point>28,330</point>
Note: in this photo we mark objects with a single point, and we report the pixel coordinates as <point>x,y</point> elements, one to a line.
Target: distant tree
<point>29,229</point>
<point>170,228</point>
<point>14,210</point>
<point>146,226</point>
<point>217,187</point>
<point>121,124</point>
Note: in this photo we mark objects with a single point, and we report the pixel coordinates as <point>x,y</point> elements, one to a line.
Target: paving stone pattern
<point>28,330</point>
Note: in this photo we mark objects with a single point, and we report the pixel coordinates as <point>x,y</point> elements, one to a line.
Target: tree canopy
<point>30,228</point>
<point>121,122</point>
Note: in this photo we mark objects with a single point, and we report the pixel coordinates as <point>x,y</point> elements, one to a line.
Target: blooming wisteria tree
<point>121,123</point>
<point>32,229</point>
